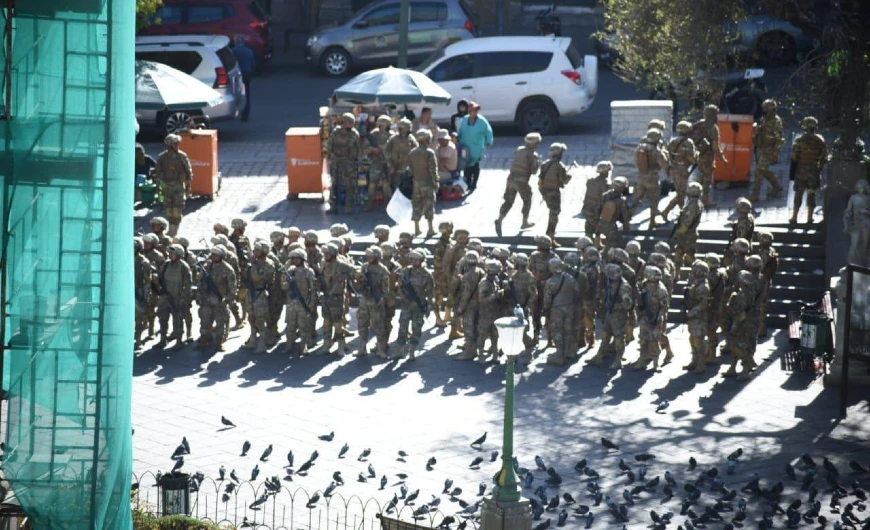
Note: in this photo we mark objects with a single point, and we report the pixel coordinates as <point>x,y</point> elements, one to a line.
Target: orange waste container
<point>201,146</point>
<point>735,138</point>
<point>306,168</point>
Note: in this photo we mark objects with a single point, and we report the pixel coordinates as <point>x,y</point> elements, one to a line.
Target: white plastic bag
<point>399,208</point>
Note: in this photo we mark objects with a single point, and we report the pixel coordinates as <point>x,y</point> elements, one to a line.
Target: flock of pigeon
<point>801,496</point>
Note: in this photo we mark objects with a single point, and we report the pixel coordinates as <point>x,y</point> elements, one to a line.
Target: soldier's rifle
<point>375,292</point>
<point>206,277</point>
<point>408,287</point>
<point>160,276</point>
<point>295,294</point>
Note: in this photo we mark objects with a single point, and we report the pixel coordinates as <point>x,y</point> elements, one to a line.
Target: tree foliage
<point>144,10</point>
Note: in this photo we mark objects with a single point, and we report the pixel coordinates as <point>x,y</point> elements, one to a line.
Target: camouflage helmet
<point>382,231</point>
<point>159,221</point>
<point>658,259</point>
<point>461,232</point>
<point>544,241</point>
<point>172,139</point>
<point>694,189</point>
<point>374,252</point>
<point>277,236</point>
<point>311,237</point>
<point>591,254</point>
<point>176,249</point>
<point>746,278</point>
<point>338,229</point>
<point>405,237</point>
<point>652,273</point>
<point>620,183</point>
<point>699,268</point>
<point>262,246</point>
<point>238,223</point>
<point>445,227</point>
<point>388,248</point>
<point>711,111</point>
<point>348,117</point>
<point>684,127</point>
<point>223,240</point>
<point>764,236</point>
<point>662,248</point>
<point>471,257</point>
<point>296,245</point>
<point>383,119</point>
<point>182,241</point>
<point>151,239</point>
<point>533,138</point>
<point>404,123</point>
<point>656,123</point>
<point>298,253</point>
<point>330,249</point>
<point>633,248</point>
<point>476,245</point>
<point>768,104</point>
<point>138,244</point>
<point>572,259</point>
<point>712,260</point>
<point>555,264</point>
<point>423,135</point>
<point>346,241</point>
<point>492,266</point>
<point>415,255</point>
<point>809,123</point>
<point>558,147</point>
<point>605,166</point>
<point>754,263</point>
<point>220,228</point>
<point>613,271</point>
<point>618,255</point>
<point>521,259</point>
<point>294,231</point>
<point>743,205</point>
<point>500,253</point>
<point>219,250</point>
<point>740,245</point>
<point>583,242</point>
<point>653,135</point>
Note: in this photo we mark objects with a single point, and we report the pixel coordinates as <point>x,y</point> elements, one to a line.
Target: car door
<point>503,80</point>
<point>375,35</point>
<point>426,29</point>
<point>456,75</point>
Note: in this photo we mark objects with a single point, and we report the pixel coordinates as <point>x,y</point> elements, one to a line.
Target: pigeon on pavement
<point>227,422</point>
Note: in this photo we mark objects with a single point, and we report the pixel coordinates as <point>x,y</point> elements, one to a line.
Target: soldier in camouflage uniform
<point>393,297</point>
<point>618,302</point>
<point>768,140</point>
<point>592,270</point>
<point>582,243</point>
<point>152,252</point>
<point>740,248</point>
<point>241,246</point>
<point>743,317</point>
<point>397,150</point>
<point>159,226</point>
<point>810,154</point>
<point>502,255</point>
<point>769,265</point>
<point>467,306</point>
<point>294,234</point>
<point>571,267</point>
<point>344,148</point>
<point>278,256</point>
<point>650,159</point>
<point>653,307</point>
<point>522,289</point>
<point>233,261</point>
<point>190,259</point>
<point>637,265</point>
<point>560,298</point>
<point>333,284</point>
<point>614,209</point>
<point>379,173</point>
<point>526,163</point>
<point>491,304</point>
<point>382,234</point>
<point>418,289</point>
<point>279,249</point>
<point>338,230</point>
<point>553,177</point>
<point>685,236</point>
<point>666,266</point>
<point>705,134</point>
<point>300,294</point>
<point>220,228</point>
<point>260,277</point>
<point>682,154</point>
<point>174,293</point>
<point>442,282</point>
<point>742,227</point>
<point>312,251</point>
<point>217,288</point>
<point>142,288</point>
<point>754,264</point>
<point>539,265</point>
<point>697,304</point>
<point>453,278</point>
<point>424,172</point>
<point>174,175</point>
<point>373,280</point>
<point>718,280</point>
<point>596,187</point>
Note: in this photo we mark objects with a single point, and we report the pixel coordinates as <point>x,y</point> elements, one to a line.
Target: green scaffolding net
<point>67,183</point>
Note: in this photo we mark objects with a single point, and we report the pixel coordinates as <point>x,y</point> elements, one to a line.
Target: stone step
<point>776,319</point>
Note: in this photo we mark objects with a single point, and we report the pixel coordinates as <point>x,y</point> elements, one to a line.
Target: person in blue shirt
<point>475,135</point>
<point>247,63</point>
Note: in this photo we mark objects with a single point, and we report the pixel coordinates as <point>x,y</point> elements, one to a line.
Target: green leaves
<point>144,10</point>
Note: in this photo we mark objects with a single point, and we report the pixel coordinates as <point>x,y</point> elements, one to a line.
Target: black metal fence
<point>253,505</point>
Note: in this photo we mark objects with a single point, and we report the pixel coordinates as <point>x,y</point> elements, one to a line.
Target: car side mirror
<point>361,24</point>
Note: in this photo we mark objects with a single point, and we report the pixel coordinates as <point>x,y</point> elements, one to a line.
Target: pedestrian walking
<point>247,63</point>
<point>475,135</point>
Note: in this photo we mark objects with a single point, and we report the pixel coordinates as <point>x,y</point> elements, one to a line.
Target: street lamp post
<point>506,509</point>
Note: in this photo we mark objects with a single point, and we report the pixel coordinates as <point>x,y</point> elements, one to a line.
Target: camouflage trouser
<point>141,315</point>
<point>442,284</point>
<point>299,322</point>
<point>344,177</point>
<point>258,310</point>
<point>592,225</point>
<point>744,334</point>
<point>648,188</point>
<point>410,315</point>
<point>214,317</point>
<point>379,176</point>
<point>561,322</point>
<point>486,329</point>
<point>707,166</point>
<point>614,324</point>
<point>372,315</point>
<point>679,177</point>
<point>698,326</point>
<point>512,187</point>
<point>612,235</point>
<point>553,200</point>
<point>587,326</point>
<point>764,158</point>
<point>685,245</point>
<point>389,314</point>
<point>423,203</point>
<point>648,337</point>
<point>470,319</point>
<point>806,179</point>
<point>165,310</point>
<point>333,311</point>
<point>277,300</point>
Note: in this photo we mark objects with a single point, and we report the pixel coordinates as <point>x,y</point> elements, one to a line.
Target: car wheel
<point>335,62</point>
<point>775,48</point>
<point>538,116</point>
<point>176,121</point>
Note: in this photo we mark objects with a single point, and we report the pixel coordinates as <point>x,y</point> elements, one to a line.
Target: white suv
<point>527,81</point>
<point>207,58</point>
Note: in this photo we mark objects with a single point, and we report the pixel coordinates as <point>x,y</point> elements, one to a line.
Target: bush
<point>143,521</point>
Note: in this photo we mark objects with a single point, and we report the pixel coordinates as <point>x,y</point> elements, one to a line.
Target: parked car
<point>742,93</point>
<point>762,38</point>
<point>205,57</point>
<point>169,100</point>
<point>215,17</point>
<point>530,82</point>
<point>371,36</point>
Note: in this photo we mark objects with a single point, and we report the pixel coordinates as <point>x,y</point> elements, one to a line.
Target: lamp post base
<point>506,515</point>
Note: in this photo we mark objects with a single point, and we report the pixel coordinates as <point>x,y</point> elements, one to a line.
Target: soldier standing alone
<point>174,174</point>
<point>809,153</point>
<point>768,140</point>
<point>526,163</point>
<point>344,148</point>
<point>424,172</point>
<point>553,177</point>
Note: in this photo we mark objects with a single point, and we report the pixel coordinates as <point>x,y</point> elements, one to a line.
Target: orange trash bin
<point>735,138</point>
<point>306,168</point>
<point>201,146</point>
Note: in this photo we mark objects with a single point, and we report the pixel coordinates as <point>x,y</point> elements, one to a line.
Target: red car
<point>217,17</point>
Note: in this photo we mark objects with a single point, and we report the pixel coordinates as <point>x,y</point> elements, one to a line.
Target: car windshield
<point>574,56</point>
<point>422,67</point>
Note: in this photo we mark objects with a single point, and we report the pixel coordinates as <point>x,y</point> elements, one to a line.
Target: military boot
<point>455,333</point>
<point>617,359</point>
<point>251,343</point>
<point>498,226</point>
<point>526,224</point>
<point>693,363</point>
<point>342,347</point>
<point>598,358</point>
<point>261,344</point>
<point>327,345</point>
<point>556,359</point>
<point>701,363</point>
<point>381,350</point>
<point>811,206</point>
<point>289,344</point>
<point>669,353</point>
<point>642,362</point>
<point>363,344</point>
<point>162,342</point>
<point>590,339</point>
<point>794,215</point>
<point>431,231</point>
<point>188,324</point>
<point>468,352</point>
<point>417,231</point>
